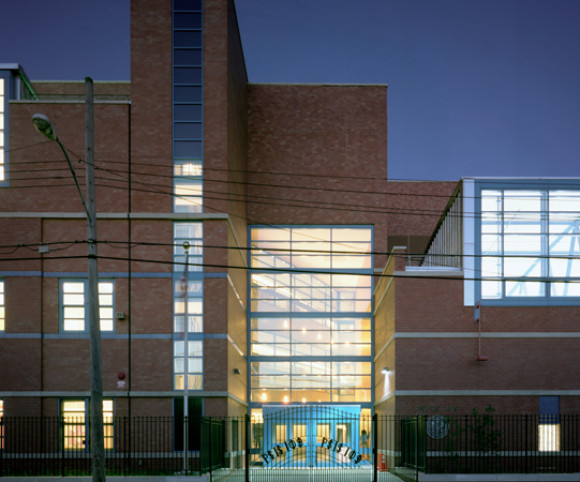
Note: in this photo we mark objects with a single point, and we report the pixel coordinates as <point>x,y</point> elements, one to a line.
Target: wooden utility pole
<point>96,405</point>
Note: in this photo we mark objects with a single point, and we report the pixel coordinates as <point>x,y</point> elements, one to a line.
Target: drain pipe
<point>477,320</point>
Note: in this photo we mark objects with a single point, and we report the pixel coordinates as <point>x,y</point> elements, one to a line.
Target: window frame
<point>297,251</point>
<point>84,282</point>
<point>544,187</point>
<point>108,427</point>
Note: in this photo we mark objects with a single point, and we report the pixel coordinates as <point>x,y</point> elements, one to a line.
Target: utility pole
<point>96,405</point>
<point>45,127</point>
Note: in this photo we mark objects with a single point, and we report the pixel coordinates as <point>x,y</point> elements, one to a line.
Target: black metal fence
<point>475,443</point>
<point>490,443</point>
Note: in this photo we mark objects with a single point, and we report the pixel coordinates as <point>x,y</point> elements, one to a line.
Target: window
<point>311,297</point>
<point>1,424</point>
<point>75,424</point>
<point>2,131</point>
<point>74,305</point>
<point>187,106</point>
<point>530,244</point>
<point>188,293</point>
<point>188,186</point>
<point>194,361</point>
<point>549,426</point>
<point>2,306</point>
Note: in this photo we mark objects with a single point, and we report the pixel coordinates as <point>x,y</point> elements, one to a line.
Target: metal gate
<point>311,443</point>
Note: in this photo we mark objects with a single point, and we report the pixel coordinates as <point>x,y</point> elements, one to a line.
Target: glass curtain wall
<point>311,315</point>
<point>530,243</point>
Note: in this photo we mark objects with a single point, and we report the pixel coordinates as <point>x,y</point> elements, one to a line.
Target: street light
<point>45,127</point>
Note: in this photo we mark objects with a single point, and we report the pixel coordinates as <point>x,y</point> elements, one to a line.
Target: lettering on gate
<point>278,449</point>
<point>336,446</point>
<point>290,445</point>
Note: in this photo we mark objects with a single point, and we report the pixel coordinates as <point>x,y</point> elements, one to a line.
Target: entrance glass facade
<point>310,315</point>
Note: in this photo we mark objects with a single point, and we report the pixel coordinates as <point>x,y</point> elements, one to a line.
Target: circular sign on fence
<point>437,426</point>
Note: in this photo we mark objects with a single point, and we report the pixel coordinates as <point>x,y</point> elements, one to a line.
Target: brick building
<point>282,193</point>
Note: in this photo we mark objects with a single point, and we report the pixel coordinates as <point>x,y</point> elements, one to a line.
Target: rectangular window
<point>74,305</point>
<point>2,306</point>
<point>194,368</point>
<point>549,426</point>
<point>75,424</point>
<point>530,243</point>
<point>188,184</point>
<point>188,296</point>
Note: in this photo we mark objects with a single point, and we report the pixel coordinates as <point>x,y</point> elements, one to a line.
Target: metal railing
<point>475,443</point>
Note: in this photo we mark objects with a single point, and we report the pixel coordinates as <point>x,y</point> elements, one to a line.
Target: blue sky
<point>476,87</point>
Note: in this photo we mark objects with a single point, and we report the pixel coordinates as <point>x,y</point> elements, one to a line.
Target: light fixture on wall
<point>385,370</point>
<point>236,371</point>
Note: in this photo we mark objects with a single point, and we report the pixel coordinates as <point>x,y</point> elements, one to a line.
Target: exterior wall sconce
<point>236,371</point>
<point>385,370</point>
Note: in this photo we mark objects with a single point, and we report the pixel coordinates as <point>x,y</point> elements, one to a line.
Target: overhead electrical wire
<point>134,244</point>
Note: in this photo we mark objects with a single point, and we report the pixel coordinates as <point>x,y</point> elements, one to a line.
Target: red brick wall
<point>318,155</point>
<point>39,168</point>
<point>151,97</point>
<point>437,349</point>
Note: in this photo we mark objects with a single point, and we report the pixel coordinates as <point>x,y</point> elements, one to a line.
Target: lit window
<point>194,368</point>
<point>188,293</point>
<point>2,307</point>
<point>74,305</point>
<point>310,297</point>
<point>530,243</point>
<point>549,437</point>
<point>75,424</point>
<point>188,187</point>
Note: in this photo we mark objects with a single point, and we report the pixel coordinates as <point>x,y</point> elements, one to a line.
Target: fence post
<point>375,448</point>
<point>247,453</point>
<point>210,448</point>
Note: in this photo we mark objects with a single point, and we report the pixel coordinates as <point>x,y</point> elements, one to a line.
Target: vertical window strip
<point>188,106</point>
<point>2,131</point>
<point>188,291</point>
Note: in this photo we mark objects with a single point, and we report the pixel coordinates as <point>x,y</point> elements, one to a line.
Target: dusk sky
<point>476,87</point>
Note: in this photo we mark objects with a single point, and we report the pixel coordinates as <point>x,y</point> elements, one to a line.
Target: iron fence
<point>254,449</point>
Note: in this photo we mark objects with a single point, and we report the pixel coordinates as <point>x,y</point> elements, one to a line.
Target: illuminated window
<point>188,292</point>
<point>2,306</point>
<point>549,426</point>
<point>549,437</point>
<point>75,424</point>
<point>310,297</point>
<point>74,305</point>
<point>530,243</point>
<point>195,365</point>
<point>188,187</point>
